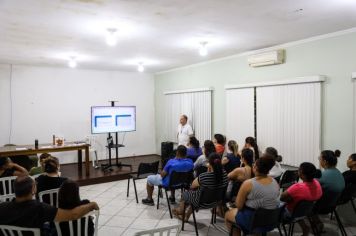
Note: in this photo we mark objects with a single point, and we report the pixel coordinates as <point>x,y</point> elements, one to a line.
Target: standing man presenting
<point>184,131</point>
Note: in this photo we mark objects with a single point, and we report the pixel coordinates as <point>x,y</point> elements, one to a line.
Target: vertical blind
<point>239,114</point>
<point>354,104</point>
<point>196,105</point>
<point>289,119</point>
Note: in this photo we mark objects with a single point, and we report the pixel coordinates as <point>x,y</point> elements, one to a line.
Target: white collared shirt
<point>184,131</point>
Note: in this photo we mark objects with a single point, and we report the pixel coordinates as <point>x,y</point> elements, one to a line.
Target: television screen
<point>107,119</point>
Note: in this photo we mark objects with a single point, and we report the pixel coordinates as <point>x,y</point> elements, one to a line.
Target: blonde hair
<point>234,147</point>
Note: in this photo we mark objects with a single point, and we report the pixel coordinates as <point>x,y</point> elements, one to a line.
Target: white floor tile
<point>144,224</point>
<point>120,221</point>
<point>111,231</point>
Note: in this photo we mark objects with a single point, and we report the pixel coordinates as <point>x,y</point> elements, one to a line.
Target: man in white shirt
<point>184,131</point>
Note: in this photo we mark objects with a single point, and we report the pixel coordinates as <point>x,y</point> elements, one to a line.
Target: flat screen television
<point>108,119</point>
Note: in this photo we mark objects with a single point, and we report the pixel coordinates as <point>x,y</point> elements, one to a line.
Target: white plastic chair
<point>8,230</point>
<point>91,140</point>
<point>174,230</point>
<point>6,184</point>
<point>7,198</point>
<point>52,194</point>
<point>79,225</point>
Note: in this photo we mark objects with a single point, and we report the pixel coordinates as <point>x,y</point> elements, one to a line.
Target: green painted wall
<point>334,57</point>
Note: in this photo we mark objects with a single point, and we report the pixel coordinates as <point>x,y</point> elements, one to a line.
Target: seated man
<point>179,164</point>
<point>8,168</point>
<point>26,212</point>
<point>39,169</point>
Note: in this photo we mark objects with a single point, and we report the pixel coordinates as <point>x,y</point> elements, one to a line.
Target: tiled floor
<point>121,215</point>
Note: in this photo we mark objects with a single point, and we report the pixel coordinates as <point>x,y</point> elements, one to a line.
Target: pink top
<point>308,191</point>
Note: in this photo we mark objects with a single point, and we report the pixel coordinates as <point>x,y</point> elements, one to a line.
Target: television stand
<point>109,167</point>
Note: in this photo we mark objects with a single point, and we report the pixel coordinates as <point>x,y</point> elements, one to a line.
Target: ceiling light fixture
<point>72,63</point>
<point>111,38</point>
<point>203,50</point>
<point>140,67</point>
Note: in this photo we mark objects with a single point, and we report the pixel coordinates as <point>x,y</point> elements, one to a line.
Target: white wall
<point>47,101</point>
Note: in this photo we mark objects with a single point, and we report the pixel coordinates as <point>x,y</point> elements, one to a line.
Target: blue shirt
<point>194,153</point>
<point>178,165</point>
<point>234,162</point>
<point>332,180</point>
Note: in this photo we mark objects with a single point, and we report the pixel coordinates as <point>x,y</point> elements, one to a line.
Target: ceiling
<point>163,34</point>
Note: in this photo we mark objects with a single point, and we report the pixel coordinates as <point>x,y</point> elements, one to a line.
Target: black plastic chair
<point>302,210</point>
<point>327,205</point>
<point>178,180</point>
<point>210,198</point>
<point>288,178</point>
<point>263,218</point>
<point>144,170</point>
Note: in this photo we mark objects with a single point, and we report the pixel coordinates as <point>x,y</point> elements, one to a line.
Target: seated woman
<point>276,170</point>
<point>69,198</point>
<point>202,161</point>
<point>214,177</point>
<point>39,170</point>
<point>194,150</point>
<point>250,142</point>
<point>350,175</point>
<point>50,179</point>
<point>244,172</point>
<point>259,192</point>
<point>232,159</point>
<point>331,181</point>
<point>8,168</point>
<point>308,190</point>
<point>219,142</point>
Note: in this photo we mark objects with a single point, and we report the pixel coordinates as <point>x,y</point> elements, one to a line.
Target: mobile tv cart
<point>116,146</point>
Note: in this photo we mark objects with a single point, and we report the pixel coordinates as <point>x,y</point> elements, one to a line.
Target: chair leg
<point>195,222</point>
<point>353,205</point>
<point>312,226</point>
<point>183,221</point>
<point>158,195</point>
<point>212,216</point>
<point>128,187</point>
<point>169,204</point>
<point>292,229</point>
<point>341,226</point>
<point>134,182</point>
<point>331,215</point>
<point>279,230</point>
<point>284,229</point>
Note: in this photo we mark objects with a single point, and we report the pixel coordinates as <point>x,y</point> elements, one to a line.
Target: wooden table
<point>48,148</point>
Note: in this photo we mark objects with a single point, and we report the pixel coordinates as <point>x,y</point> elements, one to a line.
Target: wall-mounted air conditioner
<point>266,58</point>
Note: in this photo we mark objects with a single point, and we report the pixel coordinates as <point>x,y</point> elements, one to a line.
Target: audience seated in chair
<point>260,192</point>
<point>179,164</point>
<point>213,178</point>
<point>39,169</point>
<point>194,150</point>
<point>26,161</point>
<point>26,212</point>
<point>250,142</point>
<point>331,179</point>
<point>8,168</point>
<point>208,148</point>
<point>50,179</point>
<point>308,190</point>
<point>276,170</point>
<point>240,174</point>
<point>350,175</point>
<point>219,142</point>
<point>232,159</point>
<point>69,198</point>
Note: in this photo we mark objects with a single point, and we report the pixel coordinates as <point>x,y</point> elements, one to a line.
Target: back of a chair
<point>327,203</point>
<point>266,218</point>
<point>200,170</point>
<point>169,230</point>
<point>288,178</point>
<point>8,230</point>
<point>49,196</point>
<point>303,209</point>
<point>212,195</point>
<point>79,227</point>
<point>7,185</point>
<point>7,198</point>
<point>348,194</point>
<point>146,169</point>
<point>181,179</point>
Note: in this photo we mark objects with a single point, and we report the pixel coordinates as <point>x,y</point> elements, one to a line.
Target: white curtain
<point>239,114</point>
<point>196,105</point>
<point>354,103</point>
<point>289,119</point>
